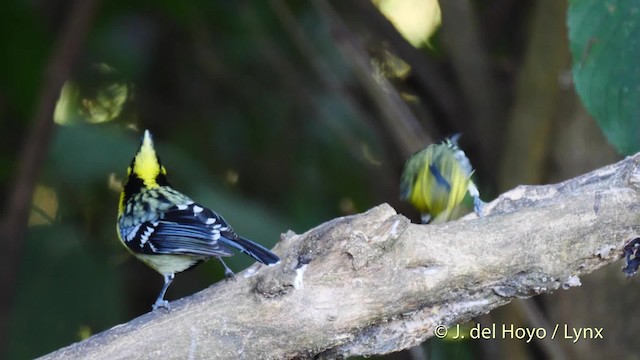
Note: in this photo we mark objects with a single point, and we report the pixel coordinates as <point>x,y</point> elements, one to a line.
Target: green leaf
<point>605,43</point>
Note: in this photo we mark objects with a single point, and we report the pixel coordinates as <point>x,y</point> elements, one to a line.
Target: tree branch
<point>373,283</point>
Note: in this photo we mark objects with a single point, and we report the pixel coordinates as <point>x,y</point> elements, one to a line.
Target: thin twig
<point>428,73</point>
<point>470,59</point>
<point>400,122</point>
<point>327,77</point>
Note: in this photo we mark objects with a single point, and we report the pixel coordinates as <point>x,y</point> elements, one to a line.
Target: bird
<point>436,179</point>
<point>167,230</point>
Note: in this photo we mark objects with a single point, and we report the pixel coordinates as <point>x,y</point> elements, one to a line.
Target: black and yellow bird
<point>167,230</point>
<point>436,179</point>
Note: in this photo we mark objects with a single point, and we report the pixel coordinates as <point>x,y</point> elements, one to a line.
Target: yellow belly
<point>169,264</point>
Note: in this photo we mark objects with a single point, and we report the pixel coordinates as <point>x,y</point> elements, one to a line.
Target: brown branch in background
<point>16,209</point>
<point>334,85</point>
<point>428,73</point>
<point>373,283</point>
<point>399,121</point>
<point>324,74</point>
<point>537,97</point>
<point>462,37</point>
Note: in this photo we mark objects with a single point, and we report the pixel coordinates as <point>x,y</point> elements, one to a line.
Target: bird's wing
<point>440,180</point>
<point>182,230</point>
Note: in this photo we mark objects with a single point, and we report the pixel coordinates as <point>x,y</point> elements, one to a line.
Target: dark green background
<point>295,99</point>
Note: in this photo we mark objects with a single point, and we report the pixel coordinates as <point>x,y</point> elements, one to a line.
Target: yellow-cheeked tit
<point>436,179</point>
<point>167,230</point>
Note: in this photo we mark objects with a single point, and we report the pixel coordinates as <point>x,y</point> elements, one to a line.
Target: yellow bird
<point>436,179</point>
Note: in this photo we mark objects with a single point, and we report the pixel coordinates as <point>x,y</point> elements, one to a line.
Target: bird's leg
<point>478,204</point>
<point>425,218</point>
<point>227,271</point>
<point>160,301</point>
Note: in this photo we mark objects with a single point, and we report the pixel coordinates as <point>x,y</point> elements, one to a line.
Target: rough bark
<point>373,283</point>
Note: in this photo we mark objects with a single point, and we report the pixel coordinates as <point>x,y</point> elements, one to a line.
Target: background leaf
<point>605,44</point>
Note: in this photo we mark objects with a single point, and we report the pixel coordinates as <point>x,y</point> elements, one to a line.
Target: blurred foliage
<point>608,84</point>
<point>416,20</point>
<point>97,97</point>
<point>65,286</point>
<point>268,112</point>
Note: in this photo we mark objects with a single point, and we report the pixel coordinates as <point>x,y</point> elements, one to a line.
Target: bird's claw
<point>161,304</point>
<point>478,206</point>
<point>228,274</point>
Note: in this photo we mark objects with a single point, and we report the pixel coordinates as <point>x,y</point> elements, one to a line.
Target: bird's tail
<point>256,251</point>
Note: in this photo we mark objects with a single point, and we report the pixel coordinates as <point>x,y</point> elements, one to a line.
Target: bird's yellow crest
<point>145,171</point>
<point>146,165</point>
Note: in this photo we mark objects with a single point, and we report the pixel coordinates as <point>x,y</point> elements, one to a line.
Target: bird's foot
<point>228,274</point>
<point>478,206</point>
<point>161,304</point>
